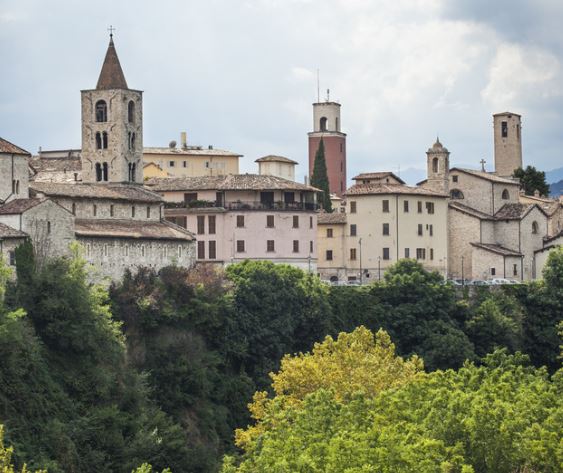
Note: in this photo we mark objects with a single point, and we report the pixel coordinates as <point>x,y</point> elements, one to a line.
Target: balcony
<point>244,205</point>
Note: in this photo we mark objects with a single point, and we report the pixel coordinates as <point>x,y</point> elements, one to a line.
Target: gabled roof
<point>111,75</point>
<point>18,206</point>
<point>553,237</point>
<point>189,151</point>
<point>516,211</point>
<point>117,228</point>
<point>377,175</point>
<point>11,148</point>
<point>470,211</point>
<point>333,218</point>
<point>486,175</point>
<point>499,250</point>
<point>123,192</point>
<point>376,189</point>
<point>271,158</point>
<point>9,232</point>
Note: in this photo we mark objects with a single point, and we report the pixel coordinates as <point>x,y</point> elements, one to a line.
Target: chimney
<point>184,139</point>
<point>536,193</point>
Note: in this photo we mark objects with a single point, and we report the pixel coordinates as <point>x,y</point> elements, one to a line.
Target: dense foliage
<point>532,180</point>
<point>319,178</point>
<point>160,370</point>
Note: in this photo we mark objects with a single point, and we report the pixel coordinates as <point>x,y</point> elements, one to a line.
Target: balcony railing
<point>244,205</point>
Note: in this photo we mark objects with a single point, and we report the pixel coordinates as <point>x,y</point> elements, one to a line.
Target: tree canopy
<point>531,180</point>
<point>319,178</point>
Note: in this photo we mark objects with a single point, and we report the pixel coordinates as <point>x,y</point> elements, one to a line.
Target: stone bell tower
<point>438,167</point>
<point>326,125</point>
<point>508,143</point>
<point>112,127</point>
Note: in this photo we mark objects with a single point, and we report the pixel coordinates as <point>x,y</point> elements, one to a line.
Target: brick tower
<point>112,127</point>
<point>326,125</point>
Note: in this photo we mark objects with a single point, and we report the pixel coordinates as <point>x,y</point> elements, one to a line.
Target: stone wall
<point>84,208</point>
<point>13,168</point>
<point>463,230</point>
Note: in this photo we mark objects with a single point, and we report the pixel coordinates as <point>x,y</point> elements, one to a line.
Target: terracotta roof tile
<point>18,206</point>
<point>377,175</point>
<point>133,193</point>
<point>470,211</point>
<point>10,148</point>
<point>116,228</point>
<point>513,211</point>
<point>375,189</point>
<point>9,232</point>
<point>486,175</point>
<point>334,218</point>
<point>272,158</point>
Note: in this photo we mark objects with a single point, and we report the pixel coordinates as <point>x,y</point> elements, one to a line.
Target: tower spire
<point>111,75</point>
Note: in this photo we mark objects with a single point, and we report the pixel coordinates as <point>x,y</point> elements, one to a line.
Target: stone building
<point>245,216</point>
<point>507,128</point>
<point>10,239</point>
<point>326,126</point>
<point>541,255</point>
<point>278,166</point>
<point>13,171</point>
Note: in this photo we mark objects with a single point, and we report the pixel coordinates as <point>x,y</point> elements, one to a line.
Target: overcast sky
<point>241,75</point>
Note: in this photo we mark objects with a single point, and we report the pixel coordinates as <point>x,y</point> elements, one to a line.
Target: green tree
<point>531,180</point>
<point>319,178</point>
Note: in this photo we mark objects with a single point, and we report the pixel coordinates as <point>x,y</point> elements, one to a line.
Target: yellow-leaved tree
<point>356,362</point>
<point>6,457</point>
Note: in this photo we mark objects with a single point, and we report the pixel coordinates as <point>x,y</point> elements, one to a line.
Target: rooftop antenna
<point>111,29</point>
<point>328,95</point>
<point>318,87</point>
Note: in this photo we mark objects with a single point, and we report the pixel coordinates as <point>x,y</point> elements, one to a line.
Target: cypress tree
<point>319,179</point>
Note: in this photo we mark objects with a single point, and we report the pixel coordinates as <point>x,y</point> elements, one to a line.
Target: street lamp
<point>361,277</point>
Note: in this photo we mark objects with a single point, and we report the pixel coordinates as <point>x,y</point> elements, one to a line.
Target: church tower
<point>112,127</point>
<point>326,125</point>
<point>438,168</point>
<point>508,143</point>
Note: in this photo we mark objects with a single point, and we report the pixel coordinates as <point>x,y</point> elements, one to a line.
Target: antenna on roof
<point>328,95</point>
<point>318,87</point>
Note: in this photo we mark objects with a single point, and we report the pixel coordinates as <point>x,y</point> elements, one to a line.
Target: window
<point>385,253</point>
<point>148,212</point>
<point>200,224</point>
<point>419,232</point>
<point>352,207</point>
<point>48,227</point>
<point>430,207</point>
<point>419,207</point>
<point>329,232</point>
<point>505,194</point>
<point>104,140</point>
<point>131,111</point>
<point>200,250</point>
<point>406,206</point>
<point>386,229</point>
<point>310,222</point>
<point>270,247</point>
<point>431,229</point>
<point>12,258</point>
<point>73,209</point>
<point>240,221</point>
<point>385,206</point>
<point>323,123</point>
<point>171,164</point>
<point>111,210</point>
<point>435,165</point>
<point>504,129</point>
<point>311,246</point>
<point>185,164</point>
<point>240,246</point>
<point>190,196</point>
<point>407,253</point>
<point>212,249</point>
<point>289,197</point>
<point>493,271</point>
<point>295,221</point>
<point>420,253</point>
<point>101,111</point>
<point>179,251</point>
<point>352,254</point>
<point>515,270</point>
<point>455,178</point>
<point>211,220</point>
<point>270,221</point>
<point>94,210</point>
<point>353,230</point>
<point>535,227</point>
<point>329,255</point>
<point>133,211</point>
<point>98,141</point>
<point>132,137</point>
<point>431,253</point>
<point>456,194</point>
<point>518,132</point>
<point>296,246</point>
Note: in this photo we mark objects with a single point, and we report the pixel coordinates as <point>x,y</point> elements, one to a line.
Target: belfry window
<point>505,194</point>
<point>98,140</point>
<point>98,172</point>
<point>101,111</point>
<point>435,165</point>
<point>105,171</point>
<point>323,123</point>
<point>131,112</point>
<point>104,140</point>
<point>504,129</point>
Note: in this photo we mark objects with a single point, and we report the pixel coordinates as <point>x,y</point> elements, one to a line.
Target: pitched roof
<point>377,175</point>
<point>470,211</point>
<point>132,193</point>
<point>486,175</point>
<point>9,232</point>
<point>18,206</point>
<point>10,148</point>
<point>190,151</point>
<point>334,218</point>
<point>111,75</point>
<point>499,250</point>
<point>375,189</point>
<point>514,211</point>
<point>272,158</point>
<point>553,237</point>
<point>255,182</point>
<point>143,230</point>
<point>56,169</point>
<point>550,206</point>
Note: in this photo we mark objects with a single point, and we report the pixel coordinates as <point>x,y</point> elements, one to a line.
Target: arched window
<point>105,171</point>
<point>535,227</point>
<point>456,194</point>
<point>105,140</point>
<point>435,165</point>
<point>98,140</point>
<point>505,194</point>
<point>337,124</point>
<point>323,123</point>
<point>98,172</point>
<point>101,111</point>
<point>133,171</point>
<point>131,112</point>
<point>132,140</point>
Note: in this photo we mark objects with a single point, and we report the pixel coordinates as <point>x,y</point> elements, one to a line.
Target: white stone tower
<point>438,167</point>
<point>112,127</point>
<point>508,143</point>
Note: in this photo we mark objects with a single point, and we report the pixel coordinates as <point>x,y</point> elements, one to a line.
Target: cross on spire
<point>483,164</point>
<point>111,29</point>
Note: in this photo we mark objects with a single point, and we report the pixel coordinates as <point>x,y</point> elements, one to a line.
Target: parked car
<point>499,281</point>
<point>480,282</point>
<point>455,282</point>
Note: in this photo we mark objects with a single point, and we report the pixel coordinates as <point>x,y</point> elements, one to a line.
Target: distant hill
<point>554,175</point>
<point>556,189</point>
